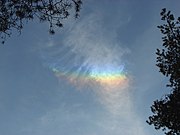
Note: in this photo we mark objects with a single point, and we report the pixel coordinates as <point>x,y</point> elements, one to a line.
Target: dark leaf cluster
<point>168,59</point>
<point>167,114</point>
<point>14,13</point>
<point>166,111</point>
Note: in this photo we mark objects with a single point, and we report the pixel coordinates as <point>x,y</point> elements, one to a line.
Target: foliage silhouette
<point>167,110</point>
<point>14,13</point>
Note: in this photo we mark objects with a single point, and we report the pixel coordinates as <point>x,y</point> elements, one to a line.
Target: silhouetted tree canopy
<point>13,13</point>
<point>168,59</point>
<point>166,111</point>
<point>167,114</point>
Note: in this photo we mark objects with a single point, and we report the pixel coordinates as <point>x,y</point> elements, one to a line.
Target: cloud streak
<point>92,59</point>
<point>102,68</point>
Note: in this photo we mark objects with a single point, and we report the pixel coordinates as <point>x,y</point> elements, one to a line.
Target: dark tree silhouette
<point>14,13</point>
<point>166,111</point>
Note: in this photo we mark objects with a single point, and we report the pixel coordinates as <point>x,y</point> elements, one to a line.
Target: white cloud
<point>91,47</point>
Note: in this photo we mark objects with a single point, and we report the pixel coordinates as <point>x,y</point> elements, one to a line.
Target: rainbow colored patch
<point>109,78</point>
<point>103,77</point>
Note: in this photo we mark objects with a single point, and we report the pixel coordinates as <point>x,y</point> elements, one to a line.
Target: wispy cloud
<point>89,48</point>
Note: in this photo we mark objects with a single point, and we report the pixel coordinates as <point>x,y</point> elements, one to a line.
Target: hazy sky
<point>96,76</point>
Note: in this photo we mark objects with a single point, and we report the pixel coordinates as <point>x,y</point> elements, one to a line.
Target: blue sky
<point>44,84</point>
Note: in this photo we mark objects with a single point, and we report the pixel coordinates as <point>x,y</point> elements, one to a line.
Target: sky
<point>95,76</point>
